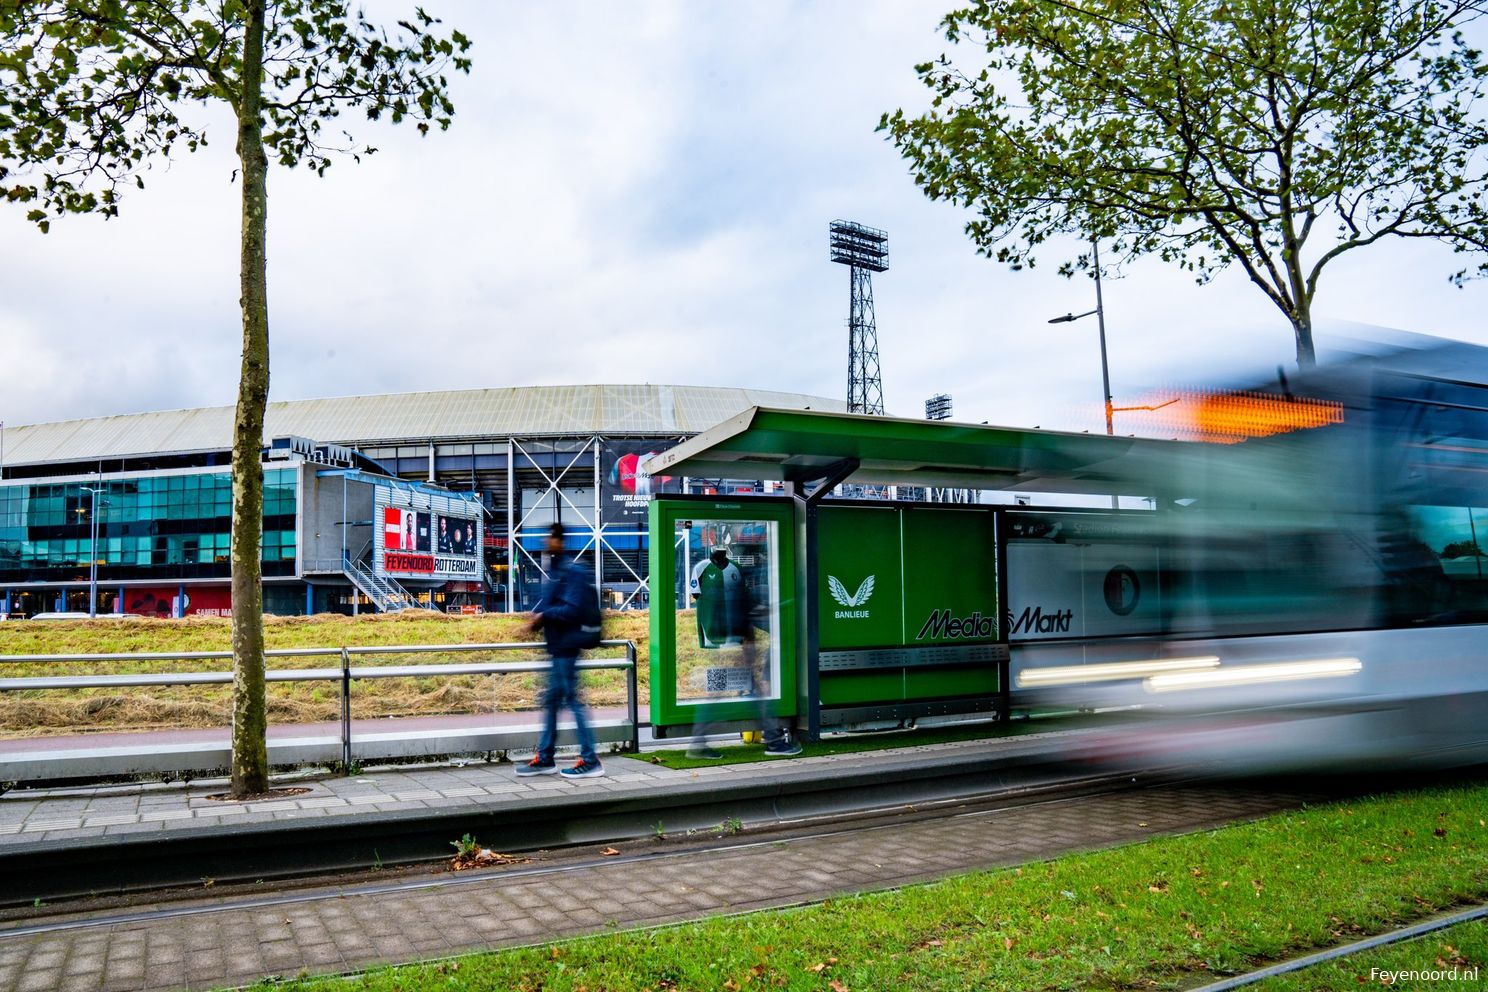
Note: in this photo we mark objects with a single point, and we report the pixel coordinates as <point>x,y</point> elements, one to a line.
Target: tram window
<point>1432,451</point>
<point>1234,579</point>
<point>1434,561</point>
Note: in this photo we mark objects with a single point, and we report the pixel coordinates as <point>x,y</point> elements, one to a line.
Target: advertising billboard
<point>440,540</point>
<point>906,576</point>
<point>405,530</point>
<point>1080,575</point>
<point>456,536</point>
<point>626,488</point>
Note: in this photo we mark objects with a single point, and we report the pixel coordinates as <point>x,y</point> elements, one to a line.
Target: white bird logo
<point>841,595</point>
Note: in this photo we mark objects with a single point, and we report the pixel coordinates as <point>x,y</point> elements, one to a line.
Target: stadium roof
<point>516,411</point>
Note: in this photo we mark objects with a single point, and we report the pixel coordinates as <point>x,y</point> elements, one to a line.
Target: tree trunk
<point>250,759</point>
<point>1302,329</point>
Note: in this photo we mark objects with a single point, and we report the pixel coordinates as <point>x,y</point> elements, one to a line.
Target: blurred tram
<point>1310,590</point>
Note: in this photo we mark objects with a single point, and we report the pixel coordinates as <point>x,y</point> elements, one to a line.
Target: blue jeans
<point>563,691</point>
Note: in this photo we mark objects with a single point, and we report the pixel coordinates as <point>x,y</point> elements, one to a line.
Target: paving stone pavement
<point>219,944</point>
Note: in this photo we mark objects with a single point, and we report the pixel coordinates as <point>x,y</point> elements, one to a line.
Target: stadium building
<point>436,499</point>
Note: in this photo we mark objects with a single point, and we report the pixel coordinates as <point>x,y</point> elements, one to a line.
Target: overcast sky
<point>633,192</point>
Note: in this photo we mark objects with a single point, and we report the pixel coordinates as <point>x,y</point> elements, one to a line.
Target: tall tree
<point>1276,135</point>
<point>92,92</point>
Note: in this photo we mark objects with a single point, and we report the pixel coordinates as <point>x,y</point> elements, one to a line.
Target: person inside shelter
<point>725,620</point>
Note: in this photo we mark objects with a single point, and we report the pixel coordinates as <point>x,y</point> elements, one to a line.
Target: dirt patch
<point>257,797</point>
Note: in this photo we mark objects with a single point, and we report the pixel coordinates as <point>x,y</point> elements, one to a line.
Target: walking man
<point>570,622</point>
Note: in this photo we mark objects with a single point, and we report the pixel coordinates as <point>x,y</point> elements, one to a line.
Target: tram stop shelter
<point>827,612</point>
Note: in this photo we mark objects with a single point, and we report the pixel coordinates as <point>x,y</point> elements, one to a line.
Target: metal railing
<point>385,593</point>
<point>33,763</point>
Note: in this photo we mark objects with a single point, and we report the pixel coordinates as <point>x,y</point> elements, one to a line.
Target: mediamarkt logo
<point>1033,620</point>
<point>844,598</point>
<point>941,624</point>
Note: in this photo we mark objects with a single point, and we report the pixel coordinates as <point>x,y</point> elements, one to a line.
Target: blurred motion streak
<point>1227,418</point>
<point>1341,521</point>
<point>1284,671</point>
<point>1031,678</point>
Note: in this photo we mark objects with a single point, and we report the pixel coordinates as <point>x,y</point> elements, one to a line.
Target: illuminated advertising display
<point>625,486</point>
<point>440,540</point>
<point>405,530</point>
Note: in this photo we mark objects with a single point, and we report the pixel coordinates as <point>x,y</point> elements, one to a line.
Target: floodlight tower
<point>866,251</point>
<point>938,407</point>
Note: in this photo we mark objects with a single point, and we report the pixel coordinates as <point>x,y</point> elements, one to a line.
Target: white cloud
<point>633,192</point>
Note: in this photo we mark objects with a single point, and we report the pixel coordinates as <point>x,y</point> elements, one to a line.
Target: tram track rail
<point>280,849</point>
<point>1348,950</point>
<point>180,903</point>
<point>347,924</point>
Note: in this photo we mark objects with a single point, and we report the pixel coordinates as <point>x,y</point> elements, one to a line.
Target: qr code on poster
<point>730,680</point>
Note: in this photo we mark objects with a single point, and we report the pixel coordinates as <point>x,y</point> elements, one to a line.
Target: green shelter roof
<point>802,446</point>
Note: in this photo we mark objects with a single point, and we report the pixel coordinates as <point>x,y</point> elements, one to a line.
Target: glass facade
<point>154,527</point>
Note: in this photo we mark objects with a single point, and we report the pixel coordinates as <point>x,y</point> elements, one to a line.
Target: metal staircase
<point>385,593</point>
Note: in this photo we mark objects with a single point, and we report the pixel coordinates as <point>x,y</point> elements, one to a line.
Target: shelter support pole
<point>808,591</point>
<point>1005,666</point>
<point>598,530</point>
<point>511,524</point>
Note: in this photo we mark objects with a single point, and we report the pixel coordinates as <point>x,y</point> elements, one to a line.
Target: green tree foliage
<point>1272,134</point>
<point>95,92</point>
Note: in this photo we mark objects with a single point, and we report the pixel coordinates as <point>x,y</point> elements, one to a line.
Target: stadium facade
<point>435,499</point>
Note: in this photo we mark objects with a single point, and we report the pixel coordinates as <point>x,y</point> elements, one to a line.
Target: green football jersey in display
<point>722,604</point>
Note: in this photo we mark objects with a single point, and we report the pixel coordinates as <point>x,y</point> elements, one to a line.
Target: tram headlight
<point>1238,675</point>
<point>1116,671</point>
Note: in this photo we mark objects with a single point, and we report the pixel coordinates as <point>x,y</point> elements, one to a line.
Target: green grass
<point>1164,914</point>
<point>852,743</point>
<point>1463,947</point>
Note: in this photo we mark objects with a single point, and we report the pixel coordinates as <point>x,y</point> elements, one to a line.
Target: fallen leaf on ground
<point>609,852</point>
<point>484,858</point>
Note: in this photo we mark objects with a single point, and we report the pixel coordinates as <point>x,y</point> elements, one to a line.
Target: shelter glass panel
<point>727,631</point>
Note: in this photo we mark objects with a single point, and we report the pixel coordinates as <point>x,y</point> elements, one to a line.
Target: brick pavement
<point>219,944</point>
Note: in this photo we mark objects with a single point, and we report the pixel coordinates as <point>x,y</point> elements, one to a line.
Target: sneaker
<point>537,766</point>
<point>584,769</point>
<point>702,752</point>
<point>782,749</point>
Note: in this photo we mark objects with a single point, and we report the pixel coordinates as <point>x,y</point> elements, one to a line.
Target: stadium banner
<point>426,535</point>
<point>405,529</point>
<point>625,489</point>
<point>905,577</point>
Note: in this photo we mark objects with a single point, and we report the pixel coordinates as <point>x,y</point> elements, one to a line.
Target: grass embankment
<point>34,713</point>
<point>1165,914</point>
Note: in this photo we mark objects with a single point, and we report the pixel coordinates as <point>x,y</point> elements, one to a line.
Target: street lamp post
<point>93,552</point>
<point>1100,318</point>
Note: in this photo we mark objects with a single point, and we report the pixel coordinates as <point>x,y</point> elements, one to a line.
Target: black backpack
<point>591,623</point>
